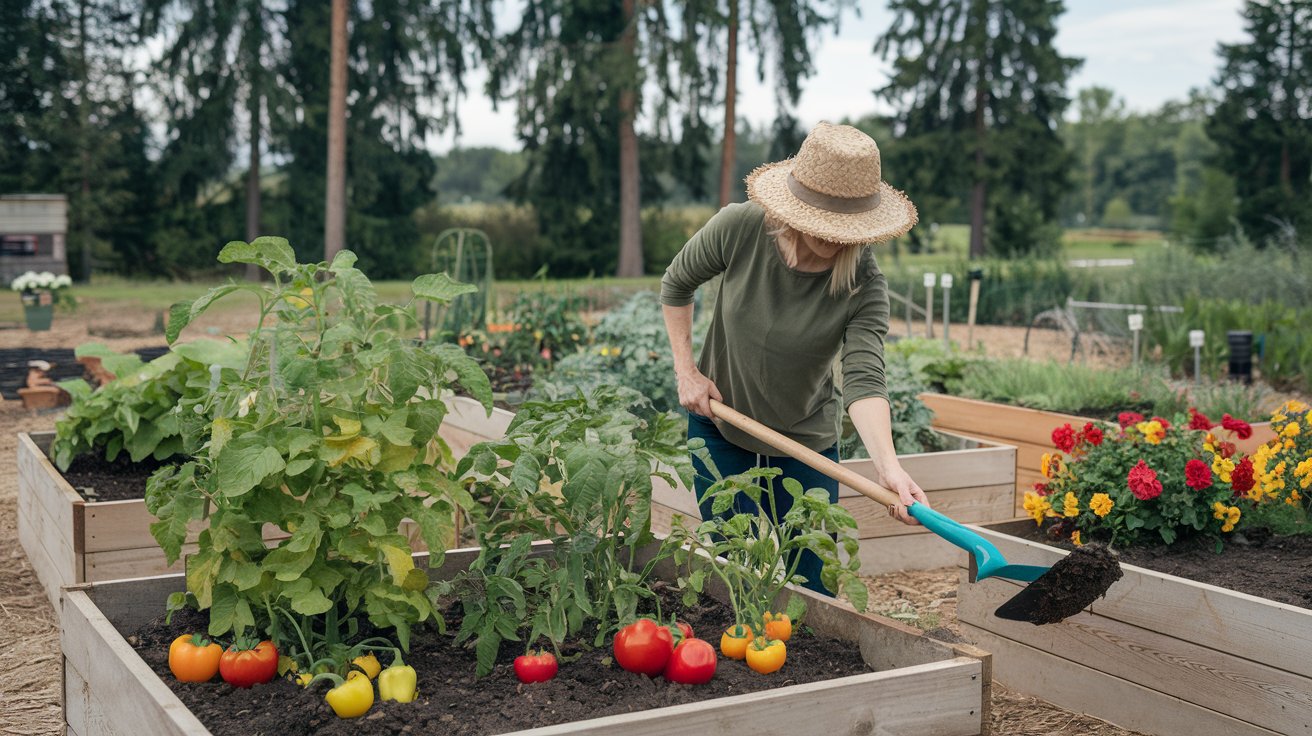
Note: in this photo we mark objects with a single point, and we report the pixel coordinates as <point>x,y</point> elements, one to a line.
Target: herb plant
<point>576,472</point>
<point>761,549</point>
<point>328,431</point>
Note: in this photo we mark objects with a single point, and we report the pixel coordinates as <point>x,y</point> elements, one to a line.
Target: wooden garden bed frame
<point>919,686</point>
<point>1028,430</point>
<point>975,482</point>
<point>70,540</point>
<point>1159,654</point>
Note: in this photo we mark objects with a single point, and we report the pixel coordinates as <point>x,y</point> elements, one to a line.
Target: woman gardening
<point>798,286</point>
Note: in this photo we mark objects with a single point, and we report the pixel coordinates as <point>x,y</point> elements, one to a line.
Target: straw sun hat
<point>832,190</point>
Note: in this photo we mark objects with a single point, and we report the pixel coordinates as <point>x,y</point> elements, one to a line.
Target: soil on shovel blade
<point>96,479</point>
<point>1074,582</point>
<point>453,702</point>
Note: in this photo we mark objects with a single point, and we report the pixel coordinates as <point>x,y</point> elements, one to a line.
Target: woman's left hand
<point>896,480</point>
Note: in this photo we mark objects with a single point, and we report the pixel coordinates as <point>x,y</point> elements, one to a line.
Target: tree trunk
<point>253,204</point>
<point>979,189</point>
<point>334,215</point>
<point>630,205</point>
<point>84,215</point>
<point>728,154</point>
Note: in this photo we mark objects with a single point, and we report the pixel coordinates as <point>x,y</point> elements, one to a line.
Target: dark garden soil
<point>452,702</point>
<point>95,479</point>
<point>1260,564</point>
<point>1074,582</point>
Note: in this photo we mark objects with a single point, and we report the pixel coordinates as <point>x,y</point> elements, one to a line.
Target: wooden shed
<point>32,230</point>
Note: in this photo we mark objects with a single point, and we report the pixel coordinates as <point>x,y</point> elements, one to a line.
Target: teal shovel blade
<point>988,560</point>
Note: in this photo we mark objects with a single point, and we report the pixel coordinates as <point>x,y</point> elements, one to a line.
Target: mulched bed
<point>452,702</point>
<point>1260,564</point>
<point>95,479</point>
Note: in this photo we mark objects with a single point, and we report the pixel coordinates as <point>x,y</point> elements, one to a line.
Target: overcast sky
<point>1149,51</point>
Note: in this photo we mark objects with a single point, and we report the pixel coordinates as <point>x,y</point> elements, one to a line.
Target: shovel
<point>1059,591</point>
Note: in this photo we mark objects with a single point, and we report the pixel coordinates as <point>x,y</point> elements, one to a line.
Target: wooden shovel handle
<point>850,478</point>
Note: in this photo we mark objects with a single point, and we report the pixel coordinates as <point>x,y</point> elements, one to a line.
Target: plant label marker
<point>929,280</point>
<point>1196,342</point>
<point>1136,326</point>
<point>945,283</point>
<point>976,276</point>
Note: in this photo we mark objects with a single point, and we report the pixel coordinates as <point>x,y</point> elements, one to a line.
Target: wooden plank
<point>939,699</point>
<point>976,418</point>
<point>125,686</point>
<point>83,712</point>
<point>124,525</point>
<point>908,552</point>
<point>981,504</point>
<point>1257,629</point>
<point>1248,691</point>
<point>39,481</point>
<point>123,564</point>
<point>48,551</point>
<point>936,471</point>
<point>1077,688</point>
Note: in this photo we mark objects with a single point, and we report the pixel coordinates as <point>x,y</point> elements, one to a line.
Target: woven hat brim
<point>895,215</point>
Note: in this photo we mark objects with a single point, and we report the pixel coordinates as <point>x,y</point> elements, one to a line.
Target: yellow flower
<point>1152,431</point>
<point>1218,510</point>
<point>1036,506</point>
<point>1289,444</point>
<point>1075,538</point>
<point>537,334</point>
<point>1101,504</point>
<point>1223,467</point>
<point>1294,406</point>
<point>1070,504</point>
<point>1291,430</point>
<point>1294,497</point>
<point>1050,465</point>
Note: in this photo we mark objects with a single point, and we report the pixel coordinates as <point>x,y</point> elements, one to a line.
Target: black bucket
<point>1241,355</point>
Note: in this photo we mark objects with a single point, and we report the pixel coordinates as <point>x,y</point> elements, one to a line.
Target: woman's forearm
<point>873,420</point>
<point>678,324</point>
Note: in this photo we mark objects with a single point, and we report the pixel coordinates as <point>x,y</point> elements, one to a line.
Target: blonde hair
<point>842,279</point>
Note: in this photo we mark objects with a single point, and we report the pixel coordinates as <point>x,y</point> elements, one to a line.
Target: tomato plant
<point>576,471</point>
<point>644,646</point>
<point>692,662</point>
<point>761,553</point>
<point>328,429</point>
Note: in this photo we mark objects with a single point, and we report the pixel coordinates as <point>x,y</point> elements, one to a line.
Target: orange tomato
<point>734,641</point>
<point>778,626</point>
<point>193,658</point>
<point>766,655</point>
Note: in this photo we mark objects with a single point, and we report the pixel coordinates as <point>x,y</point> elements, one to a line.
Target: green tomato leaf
<point>179,318</point>
<point>439,287</point>
<point>244,463</point>
<point>225,354</point>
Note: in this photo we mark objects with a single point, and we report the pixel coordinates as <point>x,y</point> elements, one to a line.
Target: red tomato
<point>246,667</point>
<point>644,646</point>
<point>692,663</point>
<point>685,628</point>
<point>536,666</point>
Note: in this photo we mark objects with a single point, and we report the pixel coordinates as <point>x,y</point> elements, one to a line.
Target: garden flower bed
<point>973,482</point>
<point>69,539</point>
<point>912,684</point>
<point>1160,654</point>
<point>1028,430</point>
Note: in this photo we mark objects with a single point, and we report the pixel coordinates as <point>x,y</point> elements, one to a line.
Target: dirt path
<point>29,630</point>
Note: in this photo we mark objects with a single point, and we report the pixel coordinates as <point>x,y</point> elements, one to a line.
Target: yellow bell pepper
<point>397,682</point>
<point>734,641</point>
<point>353,697</point>
<point>766,655</point>
<point>369,664</point>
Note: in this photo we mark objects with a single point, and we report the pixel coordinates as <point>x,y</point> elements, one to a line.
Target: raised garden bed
<point>69,539</point>
<point>1160,654</point>
<point>975,481</point>
<point>916,686</point>
<point>1028,430</point>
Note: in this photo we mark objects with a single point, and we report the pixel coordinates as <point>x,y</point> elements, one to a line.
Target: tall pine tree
<point>980,89</point>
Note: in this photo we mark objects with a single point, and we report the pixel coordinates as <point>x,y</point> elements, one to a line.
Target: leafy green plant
<point>328,431</point>
<point>541,327</point>
<point>912,432</point>
<point>139,412</point>
<point>761,550</point>
<point>575,471</point>
<point>929,362</point>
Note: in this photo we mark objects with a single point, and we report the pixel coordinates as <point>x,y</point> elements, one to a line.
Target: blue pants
<point>731,459</point>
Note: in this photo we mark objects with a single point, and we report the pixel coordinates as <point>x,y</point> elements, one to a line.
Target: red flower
<point>1226,449</point>
<point>1143,482</point>
<point>1241,479</point>
<point>1041,489</point>
<point>1128,418</point>
<point>1063,438</point>
<point>1197,475</point>
<point>1243,430</point>
<point>1165,424</point>
<point>1198,420</point>
<point>1091,434</point>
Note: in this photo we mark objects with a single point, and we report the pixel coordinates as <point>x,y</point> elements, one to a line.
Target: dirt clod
<point>1075,581</point>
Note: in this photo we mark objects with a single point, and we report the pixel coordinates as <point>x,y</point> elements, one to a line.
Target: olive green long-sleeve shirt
<point>775,330</point>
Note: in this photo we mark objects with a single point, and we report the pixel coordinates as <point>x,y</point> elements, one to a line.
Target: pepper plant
<point>761,549</point>
<point>576,471</point>
<point>328,431</point>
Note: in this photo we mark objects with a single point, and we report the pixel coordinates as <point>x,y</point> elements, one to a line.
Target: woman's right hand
<point>696,392</point>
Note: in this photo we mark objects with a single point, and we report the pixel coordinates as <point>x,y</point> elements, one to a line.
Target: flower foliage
<point>1144,481</point>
